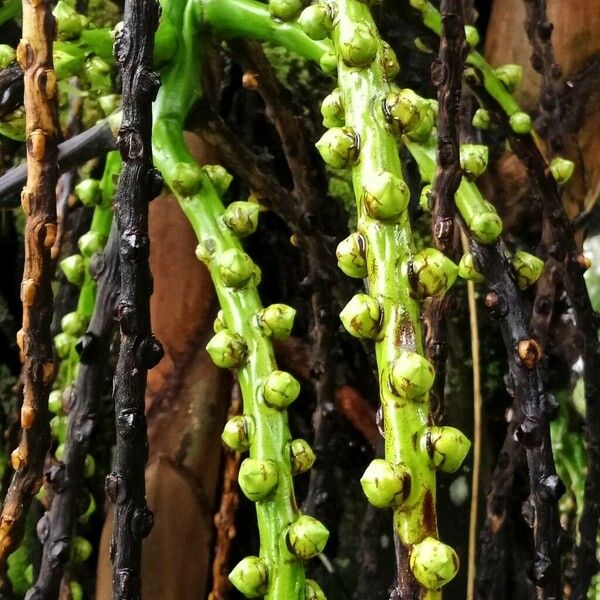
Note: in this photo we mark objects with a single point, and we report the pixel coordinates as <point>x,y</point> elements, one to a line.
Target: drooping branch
<point>66,478</point>
<point>139,350</point>
<point>94,142</point>
<point>39,203</point>
<point>446,74</point>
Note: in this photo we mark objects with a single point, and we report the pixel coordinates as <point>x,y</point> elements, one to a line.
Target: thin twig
<point>477,400</point>
<point>39,203</point>
<point>139,350</point>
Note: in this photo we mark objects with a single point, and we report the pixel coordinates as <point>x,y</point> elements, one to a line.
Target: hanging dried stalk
<point>39,203</point>
<point>139,350</point>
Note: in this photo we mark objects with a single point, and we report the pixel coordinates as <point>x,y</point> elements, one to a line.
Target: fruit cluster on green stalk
<point>244,329</point>
<point>366,117</point>
<point>478,214</point>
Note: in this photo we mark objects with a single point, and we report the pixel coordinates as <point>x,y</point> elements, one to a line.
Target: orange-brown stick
<point>38,199</point>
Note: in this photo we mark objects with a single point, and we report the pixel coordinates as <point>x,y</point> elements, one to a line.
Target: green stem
<point>200,200</point>
<point>479,215</point>
<point>391,314</point>
<point>247,18</point>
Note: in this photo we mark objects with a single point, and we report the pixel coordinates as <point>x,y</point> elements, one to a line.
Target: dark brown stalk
<point>39,203</point>
<point>570,266</point>
<point>533,408</point>
<point>446,75</point>
<point>11,89</point>
<point>225,531</point>
<point>56,527</point>
<point>95,141</point>
<point>539,32</point>
<point>306,205</point>
<point>139,350</point>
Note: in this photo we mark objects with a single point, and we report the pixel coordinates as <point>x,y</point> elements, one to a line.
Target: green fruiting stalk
<point>479,215</point>
<point>247,18</point>
<point>389,313</point>
<point>245,329</point>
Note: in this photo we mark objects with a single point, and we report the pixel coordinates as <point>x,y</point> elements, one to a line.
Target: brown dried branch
<point>139,349</point>
<point>39,203</point>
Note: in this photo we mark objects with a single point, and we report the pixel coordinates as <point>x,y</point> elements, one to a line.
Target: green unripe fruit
<point>339,147</point>
<point>236,268</point>
<point>385,484</point>
<point>411,375</point>
<point>404,107</point>
<point>315,21</point>
<point>251,577</point>
<point>69,23</point>
<point>285,10</point>
<point>433,563</point>
<point>277,320</point>
<point>60,452</point>
<point>55,402</point>
<point>29,574</point>
<point>76,591</point>
<point>82,549</point>
<point>219,323</point>
<point>431,273</point>
<point>307,537</point>
<point>391,66</point>
<point>205,251</point>
<point>472,36</point>
<point>562,169</point>
<point>7,56</point>
<point>257,478</point>
<point>74,269</point>
<point>238,433</point>
<point>109,103</point>
<point>486,227</point>
<point>358,45</point>
<point>385,196</point>
<point>186,179</point>
<point>228,350</point>
<point>351,255</point>
<point>219,177</point>
<point>425,197</point>
<point>91,242</point>
<point>89,466</point>
<point>280,389</point>
<point>467,270</point>
<point>447,447</point>
<point>313,591</point>
<point>328,62</point>
<point>89,511</point>
<point>520,123</point>
<point>473,160</point>
<point>510,76</point>
<point>242,217</point>
<point>528,268</point>
<point>74,324</point>
<point>63,343</point>
<point>482,119</point>
<point>361,316</point>
<point>332,110</point>
<point>302,455</point>
<point>58,427</point>
<point>66,64</point>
